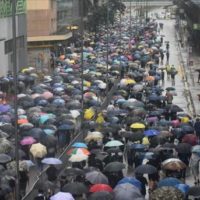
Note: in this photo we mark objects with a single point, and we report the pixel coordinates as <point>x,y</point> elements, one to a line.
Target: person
<point>23,180</point>
<point>194,166</point>
<point>143,181</point>
<point>173,74</point>
<point>162,76</point>
<point>169,97</point>
<point>168,70</point>
<point>167,56</point>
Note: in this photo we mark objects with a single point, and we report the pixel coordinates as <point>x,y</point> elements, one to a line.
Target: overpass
<point>151,3</point>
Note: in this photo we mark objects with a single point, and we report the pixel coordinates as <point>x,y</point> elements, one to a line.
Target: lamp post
<point>15,76</point>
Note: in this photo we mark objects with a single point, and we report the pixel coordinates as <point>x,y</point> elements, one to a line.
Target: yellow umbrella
<point>87,83</point>
<point>145,141</point>
<point>100,119</point>
<point>185,120</point>
<point>130,81</point>
<point>38,150</point>
<point>137,125</point>
<point>89,113</point>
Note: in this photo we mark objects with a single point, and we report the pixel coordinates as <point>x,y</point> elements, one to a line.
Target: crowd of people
<point>139,146</point>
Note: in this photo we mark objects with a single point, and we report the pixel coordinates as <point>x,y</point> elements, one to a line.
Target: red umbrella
<point>100,187</point>
<point>190,139</point>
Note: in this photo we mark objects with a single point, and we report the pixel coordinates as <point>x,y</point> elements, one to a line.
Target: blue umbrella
<point>51,161</point>
<point>169,182</point>
<point>79,145</point>
<point>138,146</point>
<point>4,108</point>
<point>132,181</point>
<point>183,188</point>
<point>49,131</point>
<point>65,127</point>
<point>151,132</point>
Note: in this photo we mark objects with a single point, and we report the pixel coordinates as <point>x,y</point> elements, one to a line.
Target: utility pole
<point>15,75</point>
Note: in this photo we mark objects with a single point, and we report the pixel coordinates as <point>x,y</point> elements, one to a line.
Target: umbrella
<point>170,181</point>
<point>78,151</point>
<point>167,193</point>
<point>96,136</point>
<point>5,145</point>
<point>137,126</point>
<point>51,161</point>
<point>100,187</point>
<point>27,141</point>
<point>4,108</point>
<point>79,145</point>
<point>96,177</point>
<point>194,191</point>
<point>38,150</point>
<point>183,148</point>
<point>183,188</point>
<point>126,191</point>
<point>138,147</point>
<point>4,158</point>
<point>103,195</point>
<point>114,167</point>
<point>132,181</point>
<point>62,196</point>
<point>24,165</point>
<point>173,164</point>
<point>145,169</point>
<point>73,172</point>
<point>196,149</point>
<point>151,132</point>
<point>190,139</point>
<point>78,158</point>
<point>75,188</point>
<point>114,143</point>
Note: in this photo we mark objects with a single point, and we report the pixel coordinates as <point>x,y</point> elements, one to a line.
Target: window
<point>9,44</point>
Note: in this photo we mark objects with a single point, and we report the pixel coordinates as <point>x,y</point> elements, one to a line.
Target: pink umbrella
<point>47,95</point>
<point>27,141</point>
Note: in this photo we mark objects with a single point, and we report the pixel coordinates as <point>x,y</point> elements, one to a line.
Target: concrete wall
<point>5,35</point>
<point>41,17</point>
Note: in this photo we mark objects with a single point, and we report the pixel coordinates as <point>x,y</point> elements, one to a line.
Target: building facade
<point>6,36</point>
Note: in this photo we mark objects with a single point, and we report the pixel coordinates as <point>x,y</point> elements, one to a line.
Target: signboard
<point>6,7</point>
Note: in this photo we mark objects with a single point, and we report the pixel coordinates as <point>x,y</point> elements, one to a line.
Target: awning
<point>49,38</point>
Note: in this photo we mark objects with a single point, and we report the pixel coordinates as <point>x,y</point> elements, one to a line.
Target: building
<point>42,32</point>
<point>6,35</point>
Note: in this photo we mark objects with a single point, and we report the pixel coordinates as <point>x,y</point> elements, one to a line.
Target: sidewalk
<point>191,75</point>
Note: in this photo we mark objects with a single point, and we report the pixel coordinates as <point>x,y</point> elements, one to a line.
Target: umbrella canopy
<point>137,126</point>
<point>196,149</point>
<point>190,139</point>
<point>126,191</point>
<point>145,169</point>
<point>73,172</point>
<point>38,150</point>
<point>173,164</point>
<point>51,161</point>
<point>78,151</point>
<point>100,187</point>
<point>132,181</point>
<point>27,141</point>
<point>62,196</point>
<point>96,177</point>
<point>114,143</point>
<point>170,181</point>
<point>103,195</point>
<point>184,148</point>
<point>114,167</point>
<point>78,158</point>
<point>194,191</point>
<point>75,188</point>
<point>79,145</point>
<point>151,132</point>
<point>4,158</point>
<point>167,193</point>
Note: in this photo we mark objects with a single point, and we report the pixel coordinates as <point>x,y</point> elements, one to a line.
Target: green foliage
<point>106,13</point>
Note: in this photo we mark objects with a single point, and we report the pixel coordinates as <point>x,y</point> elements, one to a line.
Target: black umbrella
<point>46,185</point>
<point>103,195</point>
<point>36,133</point>
<point>114,167</point>
<point>145,169</point>
<point>183,148</point>
<point>4,158</point>
<point>73,172</point>
<point>75,188</point>
<point>174,108</point>
<point>194,191</point>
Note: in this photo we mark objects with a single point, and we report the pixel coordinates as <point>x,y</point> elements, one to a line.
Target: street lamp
<point>15,76</point>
